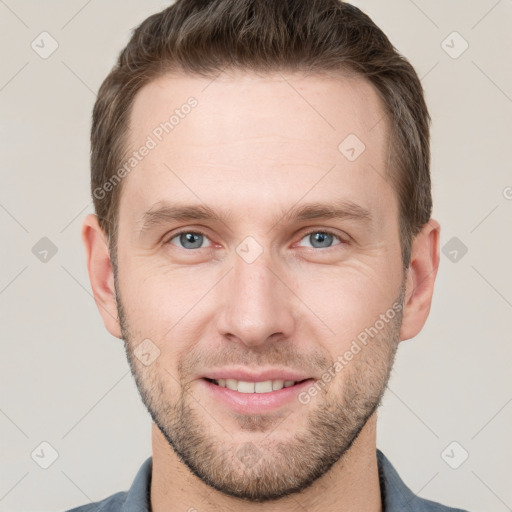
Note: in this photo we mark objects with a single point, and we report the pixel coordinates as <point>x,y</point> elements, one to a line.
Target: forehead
<point>241,104</point>
<point>242,137</point>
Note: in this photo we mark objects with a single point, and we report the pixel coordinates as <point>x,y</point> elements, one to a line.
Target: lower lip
<point>253,403</point>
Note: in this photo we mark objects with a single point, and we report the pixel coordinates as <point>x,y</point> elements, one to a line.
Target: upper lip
<point>255,376</point>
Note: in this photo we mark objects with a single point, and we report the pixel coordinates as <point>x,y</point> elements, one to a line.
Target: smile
<point>266,386</point>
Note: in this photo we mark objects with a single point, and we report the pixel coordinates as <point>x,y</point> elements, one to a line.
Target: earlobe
<point>101,275</point>
<point>420,279</point>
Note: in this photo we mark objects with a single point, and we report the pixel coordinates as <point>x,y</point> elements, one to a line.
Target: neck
<point>351,484</point>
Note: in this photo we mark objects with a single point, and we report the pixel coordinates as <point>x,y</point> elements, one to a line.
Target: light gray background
<point>66,381</point>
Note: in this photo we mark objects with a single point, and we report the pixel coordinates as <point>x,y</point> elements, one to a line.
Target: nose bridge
<point>256,304</point>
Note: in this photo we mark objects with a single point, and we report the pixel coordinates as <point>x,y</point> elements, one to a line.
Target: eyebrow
<point>166,213</point>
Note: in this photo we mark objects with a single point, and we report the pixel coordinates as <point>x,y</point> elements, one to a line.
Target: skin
<point>254,148</point>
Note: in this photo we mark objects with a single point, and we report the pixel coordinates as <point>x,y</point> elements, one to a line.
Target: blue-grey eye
<point>320,239</point>
<point>190,240</point>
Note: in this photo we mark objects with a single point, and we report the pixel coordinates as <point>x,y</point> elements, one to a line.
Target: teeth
<point>266,386</point>
<point>262,387</point>
<point>232,384</point>
<point>277,384</point>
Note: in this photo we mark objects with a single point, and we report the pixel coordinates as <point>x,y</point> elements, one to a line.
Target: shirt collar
<point>395,495</point>
<point>138,497</point>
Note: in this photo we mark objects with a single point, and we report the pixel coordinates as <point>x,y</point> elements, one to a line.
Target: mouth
<point>255,397</point>
<point>266,386</point>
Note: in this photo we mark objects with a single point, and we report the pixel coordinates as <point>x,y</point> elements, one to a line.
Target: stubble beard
<point>268,468</point>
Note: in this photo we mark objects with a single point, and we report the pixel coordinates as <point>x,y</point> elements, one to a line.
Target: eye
<point>321,239</point>
<point>189,240</point>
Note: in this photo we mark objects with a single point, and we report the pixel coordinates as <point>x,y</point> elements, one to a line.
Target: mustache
<point>277,355</point>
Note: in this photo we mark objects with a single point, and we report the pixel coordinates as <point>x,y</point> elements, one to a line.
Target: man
<point>262,243</point>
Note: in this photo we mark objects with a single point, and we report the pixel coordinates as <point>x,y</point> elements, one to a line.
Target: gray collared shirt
<point>396,496</point>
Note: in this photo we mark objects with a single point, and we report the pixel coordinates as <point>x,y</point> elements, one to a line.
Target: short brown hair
<point>312,36</point>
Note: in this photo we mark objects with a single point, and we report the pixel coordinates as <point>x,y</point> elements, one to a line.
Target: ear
<point>101,274</point>
<point>421,276</point>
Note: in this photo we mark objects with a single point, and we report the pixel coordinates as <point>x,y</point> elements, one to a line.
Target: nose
<point>257,304</point>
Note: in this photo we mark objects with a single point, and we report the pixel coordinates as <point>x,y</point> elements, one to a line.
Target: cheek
<point>157,300</point>
<point>347,300</point>
<point>171,303</point>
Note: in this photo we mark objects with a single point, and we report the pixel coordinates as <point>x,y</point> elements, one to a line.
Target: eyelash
<point>197,232</point>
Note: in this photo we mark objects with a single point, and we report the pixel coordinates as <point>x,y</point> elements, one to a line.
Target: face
<point>253,246</point>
